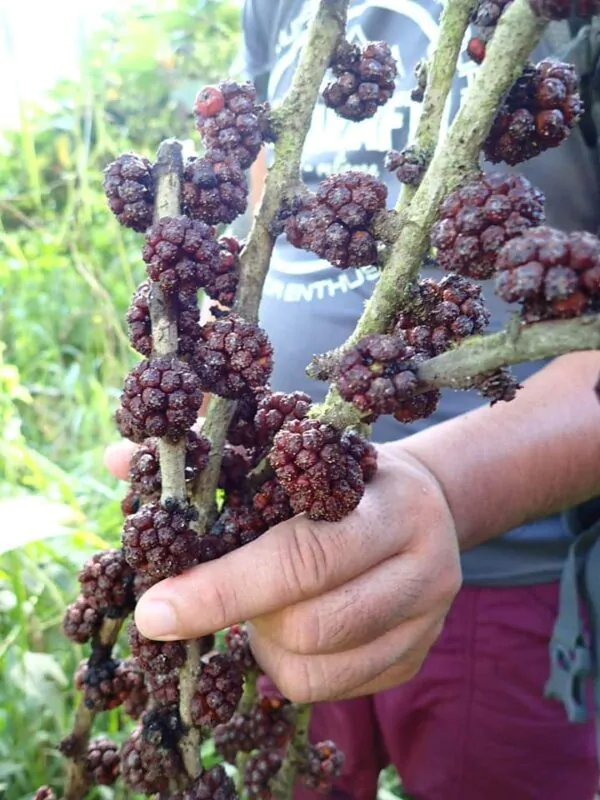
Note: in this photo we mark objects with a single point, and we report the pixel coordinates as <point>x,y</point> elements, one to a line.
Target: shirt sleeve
<point>256,48</point>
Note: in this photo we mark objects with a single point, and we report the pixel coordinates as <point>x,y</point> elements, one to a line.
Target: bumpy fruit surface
<point>159,540</point>
<point>81,621</point>
<point>553,274</point>
<point>179,253</point>
<point>335,223</point>
<point>484,19</point>
<point>102,762</point>
<point>236,526</point>
<point>261,768</point>
<point>105,684</point>
<point>159,658</point>
<point>538,113</point>
<point>242,431</point>
<point>233,737</point>
<point>271,723</point>
<point>277,408</point>
<point>106,581</point>
<point>161,397</point>
<point>145,767</point>
<point>498,385</point>
<point>476,219</point>
<point>362,451</point>
<point>144,469</point>
<point>215,189</point>
<point>137,701</point>
<point>212,784</point>
<point>222,282</point>
<point>231,120</point>
<point>233,356</point>
<point>318,473</point>
<point>272,503</point>
<point>322,766</point>
<point>377,374</point>
<point>364,80</point>
<point>186,309</point>
<point>409,165</point>
<point>218,691</point>
<point>441,314</point>
<point>163,689</point>
<point>235,465</point>
<point>418,407</point>
<point>237,646</point>
<point>564,9</point>
<point>129,187</point>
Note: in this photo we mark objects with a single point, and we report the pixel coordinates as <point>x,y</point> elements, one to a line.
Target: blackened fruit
<point>145,767</point>
<point>409,165</point>
<point>498,385</point>
<point>420,406</point>
<point>233,356</point>
<point>105,684</point>
<point>553,274</point>
<point>144,469</point>
<point>236,526</point>
<point>129,187</point>
<point>159,658</point>
<point>159,540</point>
<point>161,397</point>
<point>81,621</point>
<point>215,189</point>
<point>318,473</point>
<point>272,503</point>
<point>185,308</point>
<point>260,769</point>
<point>364,80</point>
<point>218,691</point>
<point>180,253</point>
<point>476,219</point>
<point>106,581</point>
<point>102,762</point>
<point>335,223</point>
<point>322,765</point>
<point>237,647</point>
<point>377,374</point>
<point>277,408</point>
<point>242,432</point>
<point>235,465</point>
<point>441,314</point>
<point>538,113</point>
<point>230,120</point>
<point>564,9</point>
<point>212,784</point>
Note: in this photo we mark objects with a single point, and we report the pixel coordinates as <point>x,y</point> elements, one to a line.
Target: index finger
<point>294,561</point>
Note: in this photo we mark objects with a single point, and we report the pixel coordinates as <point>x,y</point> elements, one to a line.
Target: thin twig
<point>283,784</point>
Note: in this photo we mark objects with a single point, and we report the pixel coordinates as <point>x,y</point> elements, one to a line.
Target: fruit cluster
<point>364,80</point>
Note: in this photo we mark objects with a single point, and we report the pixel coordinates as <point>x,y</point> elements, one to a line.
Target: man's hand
<point>335,609</point>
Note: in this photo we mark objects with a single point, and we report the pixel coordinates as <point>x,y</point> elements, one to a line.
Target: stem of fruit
<point>516,344</point>
<point>441,71</point>
<point>168,172</point>
<point>76,783</point>
<point>291,123</point>
<point>283,784</point>
<point>517,33</point>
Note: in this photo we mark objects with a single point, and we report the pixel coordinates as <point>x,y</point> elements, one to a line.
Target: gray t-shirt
<point>309,306</point>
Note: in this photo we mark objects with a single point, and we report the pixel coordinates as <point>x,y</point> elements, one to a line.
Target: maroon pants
<point>473,724</point>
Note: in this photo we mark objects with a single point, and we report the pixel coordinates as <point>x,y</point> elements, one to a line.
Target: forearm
<point>501,466</point>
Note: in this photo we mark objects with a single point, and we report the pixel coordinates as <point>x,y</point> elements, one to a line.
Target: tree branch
<point>76,783</point>
<point>285,779</point>
<point>517,344</point>
<point>517,33</point>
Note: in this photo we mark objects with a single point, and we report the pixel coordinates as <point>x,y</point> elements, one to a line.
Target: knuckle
<point>304,562</point>
<point>294,681</point>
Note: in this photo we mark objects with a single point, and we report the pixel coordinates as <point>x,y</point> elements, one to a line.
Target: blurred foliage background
<point>67,271</point>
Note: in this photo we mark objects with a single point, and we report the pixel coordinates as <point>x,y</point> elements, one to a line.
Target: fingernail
<point>156,619</point>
